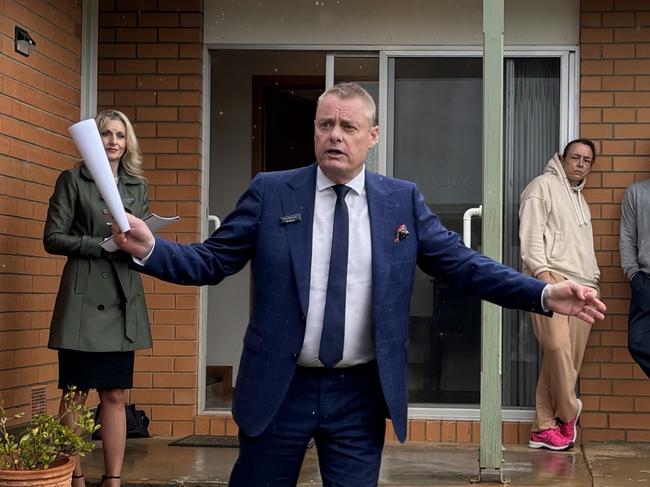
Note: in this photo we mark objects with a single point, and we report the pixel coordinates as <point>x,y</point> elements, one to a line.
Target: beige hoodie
<point>555,227</point>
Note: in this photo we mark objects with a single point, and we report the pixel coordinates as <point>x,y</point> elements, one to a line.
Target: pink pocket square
<point>401,232</point>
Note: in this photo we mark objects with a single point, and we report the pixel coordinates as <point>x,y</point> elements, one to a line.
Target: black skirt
<point>95,370</point>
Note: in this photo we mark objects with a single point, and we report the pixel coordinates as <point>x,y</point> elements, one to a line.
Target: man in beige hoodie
<point>557,244</point>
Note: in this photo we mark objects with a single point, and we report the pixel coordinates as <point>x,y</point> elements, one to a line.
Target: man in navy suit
<point>325,350</point>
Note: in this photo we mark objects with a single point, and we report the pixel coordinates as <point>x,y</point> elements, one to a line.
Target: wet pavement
<point>619,465</point>
<point>151,462</point>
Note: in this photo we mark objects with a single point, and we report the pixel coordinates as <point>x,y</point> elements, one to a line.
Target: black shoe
<point>108,477</point>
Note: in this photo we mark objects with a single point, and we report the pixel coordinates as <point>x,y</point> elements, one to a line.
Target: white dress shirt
<point>358,342</point>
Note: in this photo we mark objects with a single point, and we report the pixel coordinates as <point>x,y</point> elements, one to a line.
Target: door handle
<point>213,220</point>
<point>467,224</point>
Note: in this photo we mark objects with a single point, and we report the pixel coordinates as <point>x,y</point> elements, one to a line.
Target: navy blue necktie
<point>331,341</point>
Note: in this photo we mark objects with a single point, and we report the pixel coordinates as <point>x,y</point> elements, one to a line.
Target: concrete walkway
<point>151,462</point>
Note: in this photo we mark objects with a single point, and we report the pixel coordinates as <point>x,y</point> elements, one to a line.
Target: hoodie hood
<point>555,167</point>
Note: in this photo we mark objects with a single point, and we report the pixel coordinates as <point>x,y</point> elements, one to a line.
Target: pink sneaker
<point>569,430</point>
<point>551,439</point>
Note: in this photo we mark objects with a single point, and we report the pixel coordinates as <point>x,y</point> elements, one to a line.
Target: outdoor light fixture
<point>23,42</point>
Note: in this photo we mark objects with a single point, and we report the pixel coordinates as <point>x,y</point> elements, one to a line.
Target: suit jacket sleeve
<point>629,236</point>
<point>224,253</point>
<point>443,255</point>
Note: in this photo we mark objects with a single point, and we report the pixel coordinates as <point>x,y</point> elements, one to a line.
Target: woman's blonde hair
<point>131,161</point>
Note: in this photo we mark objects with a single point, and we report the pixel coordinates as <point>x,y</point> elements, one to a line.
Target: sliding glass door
<point>532,134</point>
<point>436,142</point>
<point>431,130</point>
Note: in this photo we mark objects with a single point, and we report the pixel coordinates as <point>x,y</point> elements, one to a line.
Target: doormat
<point>215,441</point>
<point>207,440</point>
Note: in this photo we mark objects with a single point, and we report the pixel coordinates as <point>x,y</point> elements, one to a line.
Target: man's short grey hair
<point>353,90</point>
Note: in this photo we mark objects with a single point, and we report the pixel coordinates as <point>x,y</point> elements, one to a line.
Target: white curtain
<point>531,117</point>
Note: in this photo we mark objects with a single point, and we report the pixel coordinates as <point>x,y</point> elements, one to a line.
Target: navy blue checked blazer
<point>280,256</point>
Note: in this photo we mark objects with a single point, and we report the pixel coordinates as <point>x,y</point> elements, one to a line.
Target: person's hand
<point>138,241</point>
<point>570,298</point>
<point>546,277</point>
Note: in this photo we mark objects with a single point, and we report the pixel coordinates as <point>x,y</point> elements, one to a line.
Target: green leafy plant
<point>45,440</point>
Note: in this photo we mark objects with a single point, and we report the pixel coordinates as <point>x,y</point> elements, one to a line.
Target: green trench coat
<point>100,306</point>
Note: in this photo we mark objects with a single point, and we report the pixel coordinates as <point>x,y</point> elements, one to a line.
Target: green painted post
<point>490,454</point>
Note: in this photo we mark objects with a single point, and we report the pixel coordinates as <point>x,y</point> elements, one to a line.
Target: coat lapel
<point>298,199</point>
<point>381,210</point>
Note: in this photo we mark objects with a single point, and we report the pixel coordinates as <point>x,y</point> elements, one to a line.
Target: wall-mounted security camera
<point>23,42</point>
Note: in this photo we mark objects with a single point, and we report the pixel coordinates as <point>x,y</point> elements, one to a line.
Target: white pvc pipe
<point>467,224</point>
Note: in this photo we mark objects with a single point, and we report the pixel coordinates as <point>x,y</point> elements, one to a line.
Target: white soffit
<point>384,23</point>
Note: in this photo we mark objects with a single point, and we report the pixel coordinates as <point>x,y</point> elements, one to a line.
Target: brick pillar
<point>39,99</point>
<point>150,67</point>
<point>615,113</point>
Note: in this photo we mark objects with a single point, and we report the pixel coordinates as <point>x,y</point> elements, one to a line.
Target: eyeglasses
<point>576,158</point>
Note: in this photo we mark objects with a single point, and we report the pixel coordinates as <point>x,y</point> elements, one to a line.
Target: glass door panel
<point>362,69</point>
<point>531,136</point>
<point>434,116</point>
<point>435,112</point>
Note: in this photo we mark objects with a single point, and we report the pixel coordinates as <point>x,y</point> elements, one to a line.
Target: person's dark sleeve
<point>60,217</point>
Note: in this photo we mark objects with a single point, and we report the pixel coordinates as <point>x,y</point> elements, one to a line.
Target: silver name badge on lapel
<point>284,220</point>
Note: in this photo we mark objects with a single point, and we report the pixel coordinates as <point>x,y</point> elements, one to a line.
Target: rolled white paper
<point>87,139</point>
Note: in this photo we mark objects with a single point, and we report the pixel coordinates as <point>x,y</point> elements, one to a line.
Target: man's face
<point>342,137</point>
<point>577,162</point>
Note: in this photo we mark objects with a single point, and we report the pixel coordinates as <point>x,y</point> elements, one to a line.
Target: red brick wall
<point>39,99</point>
<point>615,112</point>
<point>433,431</point>
<point>150,67</point>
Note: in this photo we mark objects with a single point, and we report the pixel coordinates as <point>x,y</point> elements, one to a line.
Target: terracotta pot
<point>58,475</point>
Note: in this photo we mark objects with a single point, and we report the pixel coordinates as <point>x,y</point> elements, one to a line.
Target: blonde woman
<point>100,316</point>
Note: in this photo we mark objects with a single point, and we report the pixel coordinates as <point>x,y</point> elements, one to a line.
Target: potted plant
<point>44,453</point>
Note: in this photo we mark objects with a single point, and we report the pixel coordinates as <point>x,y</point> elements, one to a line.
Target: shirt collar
<point>357,184</point>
